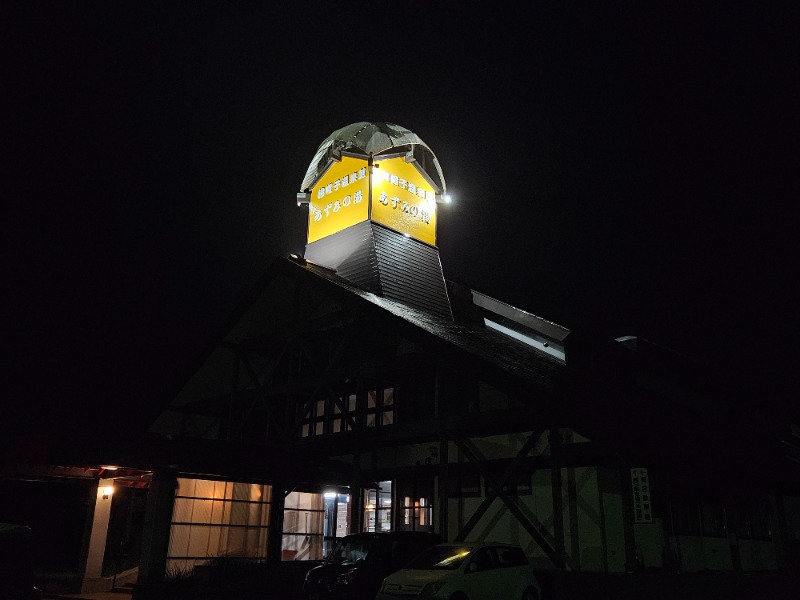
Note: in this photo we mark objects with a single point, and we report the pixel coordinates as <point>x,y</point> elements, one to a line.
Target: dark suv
<point>361,561</point>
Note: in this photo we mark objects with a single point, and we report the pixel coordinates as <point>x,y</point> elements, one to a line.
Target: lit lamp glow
<point>108,491</point>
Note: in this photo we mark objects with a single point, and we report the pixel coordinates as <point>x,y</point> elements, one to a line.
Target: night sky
<point>624,167</point>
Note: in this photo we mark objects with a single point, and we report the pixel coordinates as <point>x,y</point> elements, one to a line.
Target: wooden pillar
<point>444,499</point>
<point>357,498</point>
<point>572,509</point>
<point>97,542</point>
<point>631,560</point>
<point>781,531</point>
<point>558,499</point>
<point>602,510</point>
<point>275,535</point>
<point>155,534</point>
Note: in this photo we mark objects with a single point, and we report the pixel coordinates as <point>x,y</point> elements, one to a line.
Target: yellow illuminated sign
<point>404,199</point>
<point>339,199</point>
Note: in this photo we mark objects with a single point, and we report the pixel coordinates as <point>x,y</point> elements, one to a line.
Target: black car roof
<point>382,534</point>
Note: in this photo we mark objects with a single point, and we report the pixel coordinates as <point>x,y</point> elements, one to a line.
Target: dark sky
<point>623,166</point>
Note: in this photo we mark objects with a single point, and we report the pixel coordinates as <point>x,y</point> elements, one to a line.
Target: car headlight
<point>431,588</point>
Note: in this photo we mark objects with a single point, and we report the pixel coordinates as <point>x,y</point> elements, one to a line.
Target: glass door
<point>337,519</point>
<point>378,507</point>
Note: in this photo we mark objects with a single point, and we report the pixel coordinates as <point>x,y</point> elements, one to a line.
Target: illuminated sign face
<point>403,199</point>
<point>339,199</point>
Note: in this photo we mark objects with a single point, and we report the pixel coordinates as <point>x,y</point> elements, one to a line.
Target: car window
<point>350,550</point>
<point>441,557</point>
<point>511,557</point>
<point>404,551</point>
<point>483,560</point>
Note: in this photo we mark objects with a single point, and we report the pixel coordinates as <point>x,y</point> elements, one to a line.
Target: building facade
<point>358,389</point>
<point>401,400</point>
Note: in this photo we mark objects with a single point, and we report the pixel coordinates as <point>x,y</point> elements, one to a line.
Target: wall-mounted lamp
<point>108,491</point>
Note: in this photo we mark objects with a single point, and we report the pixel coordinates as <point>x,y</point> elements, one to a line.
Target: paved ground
<point>124,594</point>
<point>555,586</point>
<point>658,586</point>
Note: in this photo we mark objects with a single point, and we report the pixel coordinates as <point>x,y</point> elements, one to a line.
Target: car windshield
<point>440,557</point>
<point>350,550</point>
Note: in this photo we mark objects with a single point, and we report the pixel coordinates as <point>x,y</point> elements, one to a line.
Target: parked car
<point>465,571</point>
<point>358,564</point>
<point>16,566</point>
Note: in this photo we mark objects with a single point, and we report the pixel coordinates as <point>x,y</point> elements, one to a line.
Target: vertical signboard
<point>339,199</point>
<point>404,199</point>
<point>642,507</point>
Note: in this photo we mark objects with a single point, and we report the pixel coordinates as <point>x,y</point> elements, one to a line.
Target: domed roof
<point>373,139</point>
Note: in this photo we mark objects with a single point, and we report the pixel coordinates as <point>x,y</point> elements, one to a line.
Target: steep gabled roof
<point>518,360</point>
<point>607,400</point>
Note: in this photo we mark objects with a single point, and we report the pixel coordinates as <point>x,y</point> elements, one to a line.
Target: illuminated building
<point>430,405</point>
<point>359,389</point>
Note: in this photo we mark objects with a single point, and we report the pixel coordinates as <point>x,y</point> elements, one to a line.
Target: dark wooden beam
<point>517,420</point>
<point>474,455</point>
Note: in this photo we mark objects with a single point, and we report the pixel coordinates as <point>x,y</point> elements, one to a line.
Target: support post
<point>444,499</point>
<point>275,535</point>
<point>155,534</point>
<point>357,499</point>
<point>97,543</point>
<point>627,519</point>
<point>558,498</point>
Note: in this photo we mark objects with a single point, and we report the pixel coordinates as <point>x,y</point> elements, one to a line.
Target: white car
<point>465,571</point>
